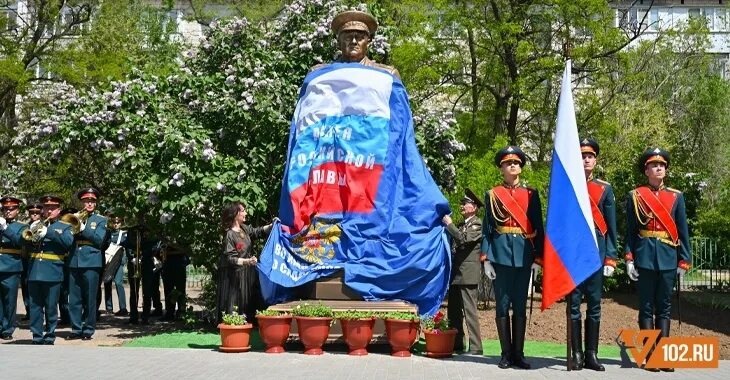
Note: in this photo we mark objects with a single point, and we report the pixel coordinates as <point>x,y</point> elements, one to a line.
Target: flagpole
<point>568,306</point>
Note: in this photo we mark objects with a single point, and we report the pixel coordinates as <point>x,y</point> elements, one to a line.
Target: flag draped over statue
<point>356,195</point>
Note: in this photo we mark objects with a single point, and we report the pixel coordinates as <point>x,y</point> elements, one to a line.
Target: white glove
<point>489,270</point>
<point>42,231</point>
<point>3,224</point>
<point>608,271</point>
<point>631,270</point>
<point>681,272</point>
<point>32,225</point>
<point>134,261</point>
<point>535,269</point>
<point>83,227</point>
<point>157,263</point>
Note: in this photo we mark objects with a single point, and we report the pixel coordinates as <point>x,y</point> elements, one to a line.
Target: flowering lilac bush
<point>174,149</point>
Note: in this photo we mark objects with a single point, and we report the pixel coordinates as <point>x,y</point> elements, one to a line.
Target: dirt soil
<point>619,311</point>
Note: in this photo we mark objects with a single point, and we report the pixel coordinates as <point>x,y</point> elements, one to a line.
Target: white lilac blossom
<point>220,187</point>
<point>166,217</point>
<point>177,180</point>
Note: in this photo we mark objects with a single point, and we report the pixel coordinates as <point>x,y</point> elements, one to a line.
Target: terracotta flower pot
<point>401,335</point>
<point>274,331</point>
<point>235,338</point>
<point>357,334</point>
<point>313,331</point>
<point>440,344</point>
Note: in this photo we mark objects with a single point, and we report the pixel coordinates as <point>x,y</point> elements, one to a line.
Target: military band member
<point>465,272</point>
<point>657,241</point>
<point>603,208</point>
<point>513,241</point>
<point>11,263</point>
<point>45,272</point>
<point>151,248</point>
<point>119,237</point>
<point>35,211</point>
<point>174,262</point>
<point>85,265</point>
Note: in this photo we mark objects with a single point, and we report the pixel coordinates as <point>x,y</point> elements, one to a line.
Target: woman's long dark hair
<point>229,214</point>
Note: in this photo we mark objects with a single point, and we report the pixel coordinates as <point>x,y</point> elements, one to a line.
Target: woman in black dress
<point>238,287</point>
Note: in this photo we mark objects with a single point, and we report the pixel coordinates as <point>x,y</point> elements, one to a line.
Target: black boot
<point>592,333</point>
<point>647,324</point>
<point>663,325</point>
<point>576,344</point>
<point>519,325</point>
<point>505,342</point>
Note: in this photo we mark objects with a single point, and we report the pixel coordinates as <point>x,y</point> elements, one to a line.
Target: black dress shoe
<point>476,352</point>
<point>133,321</point>
<point>122,313</point>
<point>7,337</point>
<point>73,337</point>
<point>48,342</point>
<point>26,317</point>
<point>156,313</point>
<point>37,342</point>
<point>86,337</point>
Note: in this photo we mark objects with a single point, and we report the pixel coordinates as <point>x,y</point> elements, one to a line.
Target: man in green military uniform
<point>34,215</point>
<point>513,241</point>
<point>174,262</point>
<point>118,237</point>
<point>465,272</point>
<point>657,241</point>
<point>603,208</point>
<point>85,265</point>
<point>45,271</point>
<point>11,263</point>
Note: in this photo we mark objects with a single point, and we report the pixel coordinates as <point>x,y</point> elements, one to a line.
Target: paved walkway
<point>75,362</point>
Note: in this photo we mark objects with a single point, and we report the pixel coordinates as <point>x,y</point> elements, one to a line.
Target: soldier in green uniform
<point>11,263</point>
<point>34,215</point>
<point>119,237</point>
<point>85,265</point>
<point>657,241</point>
<point>603,208</point>
<point>513,241</point>
<point>174,262</point>
<point>45,271</point>
<point>465,272</point>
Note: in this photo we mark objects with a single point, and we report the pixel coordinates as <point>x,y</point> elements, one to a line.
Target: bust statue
<point>354,31</point>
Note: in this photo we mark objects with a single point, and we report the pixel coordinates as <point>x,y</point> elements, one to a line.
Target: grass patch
<point>211,341</point>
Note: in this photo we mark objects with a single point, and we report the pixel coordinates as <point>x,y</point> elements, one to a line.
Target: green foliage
<point>271,313</point>
<point>312,310</point>
<point>400,315</point>
<point>354,314</point>
<point>234,319</point>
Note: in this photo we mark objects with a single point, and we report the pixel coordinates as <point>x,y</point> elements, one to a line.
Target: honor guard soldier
<point>465,272</point>
<point>35,211</point>
<point>64,318</point>
<point>151,266</point>
<point>118,237</point>
<point>174,262</point>
<point>11,263</point>
<point>513,241</point>
<point>657,241</point>
<point>45,274</point>
<point>85,265</point>
<point>603,208</point>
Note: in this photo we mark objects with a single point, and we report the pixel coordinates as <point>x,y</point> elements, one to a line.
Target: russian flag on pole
<point>571,251</point>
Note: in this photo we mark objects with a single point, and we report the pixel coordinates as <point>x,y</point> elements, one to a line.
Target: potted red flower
<point>235,333</point>
<point>401,329</point>
<point>357,330</point>
<point>439,336</point>
<point>274,329</point>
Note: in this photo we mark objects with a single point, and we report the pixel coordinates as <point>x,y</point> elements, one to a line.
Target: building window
<point>654,19</point>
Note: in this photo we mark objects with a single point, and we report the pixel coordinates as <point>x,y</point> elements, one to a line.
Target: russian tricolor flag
<point>571,252</point>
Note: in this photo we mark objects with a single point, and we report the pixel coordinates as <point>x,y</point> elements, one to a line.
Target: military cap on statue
<point>470,197</point>
<point>8,201</point>
<point>510,153</point>
<point>35,206</point>
<point>653,155</point>
<point>589,146</point>
<point>88,193</point>
<point>51,200</point>
<point>354,20</point>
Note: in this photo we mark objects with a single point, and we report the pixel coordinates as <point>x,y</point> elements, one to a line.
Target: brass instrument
<point>76,220</point>
<point>36,232</point>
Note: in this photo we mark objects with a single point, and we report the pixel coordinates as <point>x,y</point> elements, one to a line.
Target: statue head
<point>354,29</point>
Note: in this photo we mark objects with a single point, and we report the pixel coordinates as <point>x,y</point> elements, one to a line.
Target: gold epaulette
<point>602,182</point>
<point>673,190</point>
<point>387,68</point>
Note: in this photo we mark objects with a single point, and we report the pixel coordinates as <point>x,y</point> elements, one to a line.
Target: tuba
<point>76,220</point>
<point>36,232</point>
